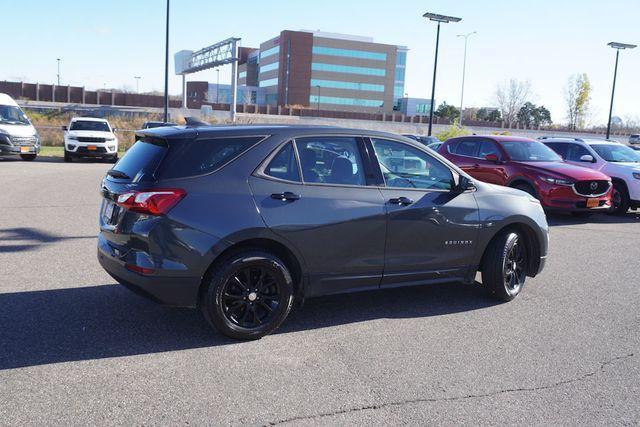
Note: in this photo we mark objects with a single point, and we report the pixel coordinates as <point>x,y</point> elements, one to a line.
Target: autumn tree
<point>578,98</point>
<point>510,97</point>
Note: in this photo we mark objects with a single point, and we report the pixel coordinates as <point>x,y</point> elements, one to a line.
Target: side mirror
<point>587,158</point>
<point>492,158</point>
<point>64,128</point>
<point>461,183</point>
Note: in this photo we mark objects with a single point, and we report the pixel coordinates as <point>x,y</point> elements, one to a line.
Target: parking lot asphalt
<point>77,349</point>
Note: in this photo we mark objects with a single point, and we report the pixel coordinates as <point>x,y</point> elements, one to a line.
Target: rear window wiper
<point>117,174</point>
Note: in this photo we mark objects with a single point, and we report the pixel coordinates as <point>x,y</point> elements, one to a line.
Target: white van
<point>17,134</point>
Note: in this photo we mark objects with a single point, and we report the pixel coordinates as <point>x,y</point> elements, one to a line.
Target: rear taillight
<point>156,202</point>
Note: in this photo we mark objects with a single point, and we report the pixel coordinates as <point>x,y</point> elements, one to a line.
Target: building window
<point>269,67</point>
<point>242,75</point>
<point>423,108</point>
<point>354,102</point>
<point>265,53</point>
<point>269,82</point>
<point>347,85</point>
<point>401,59</point>
<point>331,51</point>
<point>334,68</point>
<point>399,74</point>
<point>271,99</point>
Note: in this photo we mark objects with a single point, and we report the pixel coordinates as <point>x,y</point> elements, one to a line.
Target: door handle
<point>287,196</point>
<point>402,201</point>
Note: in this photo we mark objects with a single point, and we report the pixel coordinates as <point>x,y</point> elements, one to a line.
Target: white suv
<point>90,137</point>
<point>612,158</point>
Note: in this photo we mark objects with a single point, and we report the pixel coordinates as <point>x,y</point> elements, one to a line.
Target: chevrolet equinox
<point>241,221</point>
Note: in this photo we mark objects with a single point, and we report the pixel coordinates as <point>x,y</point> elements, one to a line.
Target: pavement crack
<point>580,378</point>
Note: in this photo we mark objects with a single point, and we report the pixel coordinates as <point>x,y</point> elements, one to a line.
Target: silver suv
<point>634,139</point>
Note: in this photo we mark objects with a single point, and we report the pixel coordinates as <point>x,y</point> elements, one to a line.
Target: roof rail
<point>561,137</point>
<point>192,121</point>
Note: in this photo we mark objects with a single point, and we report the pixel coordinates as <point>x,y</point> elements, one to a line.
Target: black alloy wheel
<point>248,294</point>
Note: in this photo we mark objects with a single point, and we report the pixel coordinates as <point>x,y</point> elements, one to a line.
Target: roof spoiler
<point>193,122</point>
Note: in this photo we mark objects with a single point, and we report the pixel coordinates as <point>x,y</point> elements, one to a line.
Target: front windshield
<point>530,151</point>
<point>90,125</point>
<point>616,153</point>
<point>12,115</point>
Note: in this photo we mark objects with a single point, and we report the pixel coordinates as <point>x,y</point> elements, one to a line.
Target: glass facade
<point>347,85</point>
<point>361,54</point>
<point>242,75</point>
<point>423,108</point>
<point>265,53</point>
<point>399,78</point>
<point>354,102</point>
<point>269,82</point>
<point>318,66</point>
<point>269,67</point>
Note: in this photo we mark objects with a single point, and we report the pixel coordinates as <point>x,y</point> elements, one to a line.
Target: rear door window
<point>488,147</point>
<point>467,148</point>
<point>202,156</point>
<point>558,147</point>
<point>331,160</point>
<point>575,151</point>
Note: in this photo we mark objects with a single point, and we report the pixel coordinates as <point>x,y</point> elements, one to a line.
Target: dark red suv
<point>530,166</point>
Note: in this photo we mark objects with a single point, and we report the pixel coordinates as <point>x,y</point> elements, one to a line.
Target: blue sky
<point>106,43</point>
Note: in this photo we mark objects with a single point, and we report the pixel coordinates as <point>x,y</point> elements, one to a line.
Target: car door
<point>328,208</point>
<point>463,153</point>
<point>575,152</point>
<point>431,230</point>
<point>493,172</point>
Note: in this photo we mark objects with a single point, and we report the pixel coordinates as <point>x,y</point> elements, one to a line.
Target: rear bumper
<point>165,287</point>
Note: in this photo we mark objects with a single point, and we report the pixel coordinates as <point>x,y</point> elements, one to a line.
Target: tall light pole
<point>58,59</point>
<point>166,69</point>
<point>618,47</point>
<point>439,19</point>
<point>464,69</point>
<point>137,83</point>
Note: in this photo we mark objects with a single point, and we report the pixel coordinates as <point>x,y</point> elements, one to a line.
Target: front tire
<point>504,266</point>
<point>248,295</point>
<point>67,157</point>
<point>620,199</point>
<point>28,157</point>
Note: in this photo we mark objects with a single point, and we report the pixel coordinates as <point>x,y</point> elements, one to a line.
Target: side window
<point>488,147</point>
<point>559,147</point>
<point>284,165</point>
<point>466,148</point>
<point>575,151</point>
<point>406,166</point>
<point>331,160</point>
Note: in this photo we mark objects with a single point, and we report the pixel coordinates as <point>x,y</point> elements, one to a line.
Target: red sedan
<point>530,166</point>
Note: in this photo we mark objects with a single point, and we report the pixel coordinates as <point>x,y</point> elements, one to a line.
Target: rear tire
<point>504,265</point>
<point>620,200</point>
<point>248,294</point>
<point>28,157</point>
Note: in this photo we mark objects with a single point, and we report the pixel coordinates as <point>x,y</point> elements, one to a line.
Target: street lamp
<point>137,83</point>
<point>166,69</point>
<point>58,59</point>
<point>464,69</point>
<point>439,19</point>
<point>618,47</point>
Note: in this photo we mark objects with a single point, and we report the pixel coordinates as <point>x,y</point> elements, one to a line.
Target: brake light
<point>156,202</point>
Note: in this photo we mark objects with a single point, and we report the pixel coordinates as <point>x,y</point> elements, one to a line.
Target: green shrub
<point>452,131</point>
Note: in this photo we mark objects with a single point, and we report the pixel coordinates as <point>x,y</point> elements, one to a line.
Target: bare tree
<point>510,97</point>
<point>577,96</point>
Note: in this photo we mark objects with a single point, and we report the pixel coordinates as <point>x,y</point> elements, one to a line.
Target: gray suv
<point>241,221</point>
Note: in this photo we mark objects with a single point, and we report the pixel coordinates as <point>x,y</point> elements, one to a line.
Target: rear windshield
<point>90,125</point>
<point>140,161</point>
<point>202,156</point>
